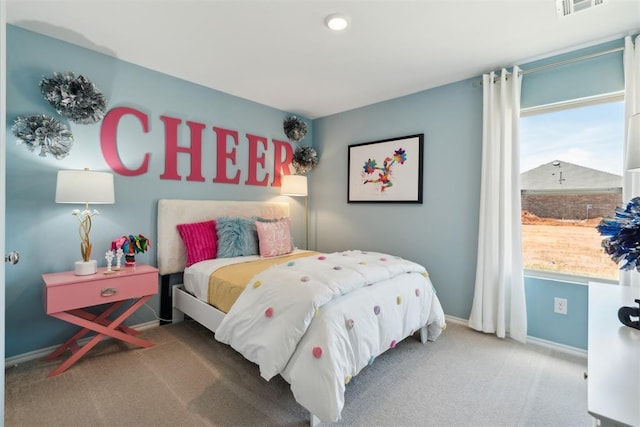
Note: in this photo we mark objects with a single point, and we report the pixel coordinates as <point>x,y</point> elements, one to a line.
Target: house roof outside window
<point>561,176</point>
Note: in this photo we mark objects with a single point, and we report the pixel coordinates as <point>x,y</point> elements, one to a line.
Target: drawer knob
<point>108,292</point>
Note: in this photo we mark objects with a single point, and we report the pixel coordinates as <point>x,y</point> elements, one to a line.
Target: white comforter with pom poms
<point>319,320</point>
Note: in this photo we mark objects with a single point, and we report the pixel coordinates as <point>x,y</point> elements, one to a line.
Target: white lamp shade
<point>84,186</point>
<point>294,185</point>
<point>633,144</point>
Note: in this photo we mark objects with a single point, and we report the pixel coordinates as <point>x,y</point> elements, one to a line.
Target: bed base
<point>203,313</point>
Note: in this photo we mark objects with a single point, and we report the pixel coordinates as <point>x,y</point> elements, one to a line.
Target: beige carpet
<point>465,378</point>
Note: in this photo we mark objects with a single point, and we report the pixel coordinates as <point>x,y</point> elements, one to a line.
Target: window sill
<point>567,278</point>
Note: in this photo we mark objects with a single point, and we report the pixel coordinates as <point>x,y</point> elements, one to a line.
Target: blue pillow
<point>236,237</point>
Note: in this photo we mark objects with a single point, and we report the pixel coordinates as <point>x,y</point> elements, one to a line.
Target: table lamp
<point>84,187</point>
<point>296,186</point>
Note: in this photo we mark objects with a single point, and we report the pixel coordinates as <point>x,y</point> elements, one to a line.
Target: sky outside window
<point>590,136</point>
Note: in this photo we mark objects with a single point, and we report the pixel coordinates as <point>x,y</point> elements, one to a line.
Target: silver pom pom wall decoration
<point>294,128</point>
<point>75,98</point>
<point>304,159</point>
<point>45,133</point>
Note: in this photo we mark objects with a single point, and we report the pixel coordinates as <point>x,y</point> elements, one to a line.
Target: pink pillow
<point>200,240</point>
<point>274,237</point>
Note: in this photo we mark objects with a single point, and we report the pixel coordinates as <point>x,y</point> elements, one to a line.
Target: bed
<point>316,319</point>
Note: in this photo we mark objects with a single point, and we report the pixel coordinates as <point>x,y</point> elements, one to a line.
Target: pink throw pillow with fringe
<point>200,240</point>
<point>274,238</point>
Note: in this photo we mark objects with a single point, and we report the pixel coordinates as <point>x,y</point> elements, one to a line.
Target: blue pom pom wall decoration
<point>623,243</point>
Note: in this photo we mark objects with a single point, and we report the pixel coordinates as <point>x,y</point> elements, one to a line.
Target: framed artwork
<point>386,171</point>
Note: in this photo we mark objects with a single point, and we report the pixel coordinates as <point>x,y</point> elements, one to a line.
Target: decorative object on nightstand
<point>296,186</point>
<point>130,246</point>
<point>109,257</point>
<point>84,187</point>
<point>119,255</point>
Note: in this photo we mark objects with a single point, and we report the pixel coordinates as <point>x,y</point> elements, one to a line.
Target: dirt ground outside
<point>565,246</point>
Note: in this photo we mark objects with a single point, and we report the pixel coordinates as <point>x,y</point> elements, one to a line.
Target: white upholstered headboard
<point>171,212</point>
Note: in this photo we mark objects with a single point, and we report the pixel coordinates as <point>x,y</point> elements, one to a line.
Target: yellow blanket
<point>227,283</point>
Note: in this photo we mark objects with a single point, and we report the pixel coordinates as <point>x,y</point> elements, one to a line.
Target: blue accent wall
<point>542,322</point>
<point>441,233</point>
<point>46,234</point>
<point>581,79</point>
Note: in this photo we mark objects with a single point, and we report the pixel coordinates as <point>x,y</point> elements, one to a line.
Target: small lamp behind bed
<point>296,186</point>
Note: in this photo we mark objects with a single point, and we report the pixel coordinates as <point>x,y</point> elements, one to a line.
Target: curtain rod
<point>559,63</point>
<point>572,60</point>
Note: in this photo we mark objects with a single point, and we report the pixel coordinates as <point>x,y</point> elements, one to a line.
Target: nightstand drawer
<point>99,289</point>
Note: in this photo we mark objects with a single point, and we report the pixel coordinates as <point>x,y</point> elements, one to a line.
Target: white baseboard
<point>575,351</point>
<point>457,320</point>
<point>43,352</point>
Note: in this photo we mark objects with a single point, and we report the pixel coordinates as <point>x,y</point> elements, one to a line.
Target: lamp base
<point>84,268</point>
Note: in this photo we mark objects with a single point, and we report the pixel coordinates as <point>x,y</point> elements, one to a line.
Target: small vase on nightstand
<point>129,260</point>
<point>84,268</point>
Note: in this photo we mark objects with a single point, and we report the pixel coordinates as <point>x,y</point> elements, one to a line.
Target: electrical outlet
<point>560,305</point>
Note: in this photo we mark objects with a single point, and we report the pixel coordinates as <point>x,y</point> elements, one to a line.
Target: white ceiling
<point>280,54</point>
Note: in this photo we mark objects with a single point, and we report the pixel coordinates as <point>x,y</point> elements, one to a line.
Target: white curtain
<point>498,301</point>
<point>631,186</point>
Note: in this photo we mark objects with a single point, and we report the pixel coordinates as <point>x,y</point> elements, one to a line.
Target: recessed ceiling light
<point>337,21</point>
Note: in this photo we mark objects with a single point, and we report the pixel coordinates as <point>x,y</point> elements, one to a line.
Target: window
<point>571,176</point>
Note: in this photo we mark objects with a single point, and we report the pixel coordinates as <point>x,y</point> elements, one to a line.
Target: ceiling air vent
<point>569,7</point>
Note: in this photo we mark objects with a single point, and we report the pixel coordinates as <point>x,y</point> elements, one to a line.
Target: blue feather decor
<point>623,243</point>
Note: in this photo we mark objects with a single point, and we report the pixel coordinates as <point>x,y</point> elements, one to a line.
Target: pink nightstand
<point>65,296</point>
